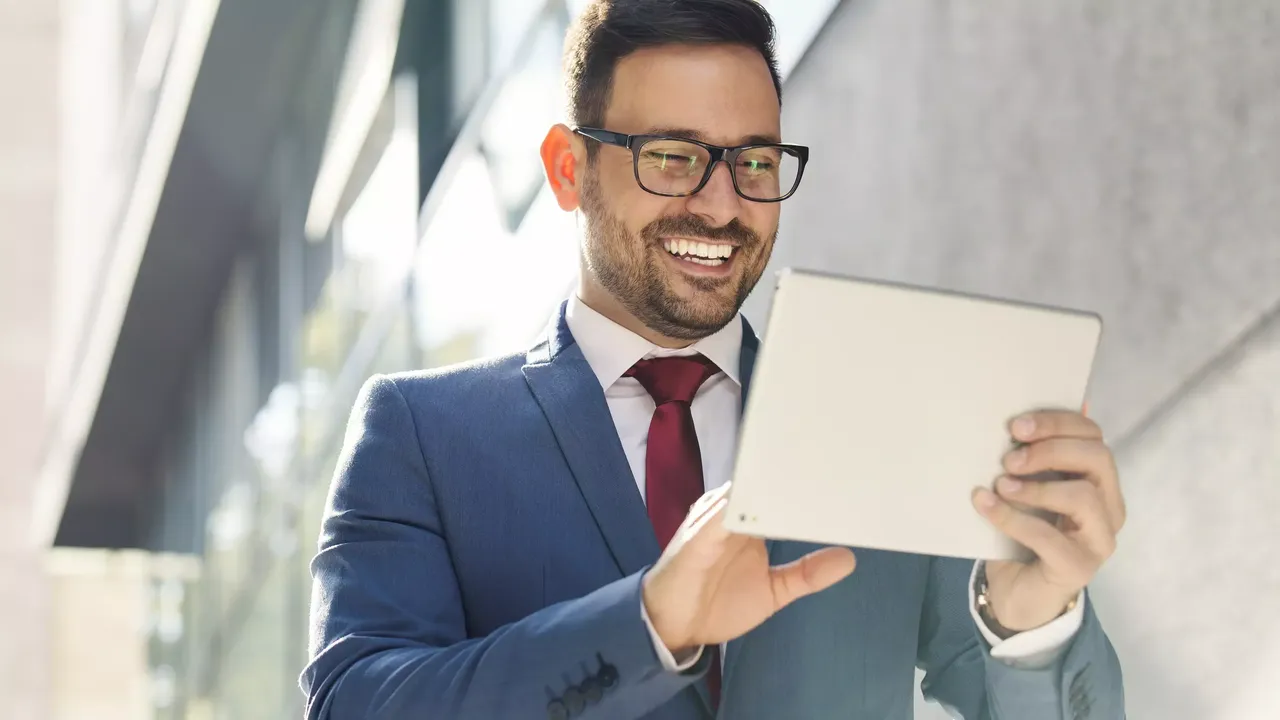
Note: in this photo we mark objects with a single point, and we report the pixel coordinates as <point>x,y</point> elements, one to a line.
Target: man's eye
<point>665,161</point>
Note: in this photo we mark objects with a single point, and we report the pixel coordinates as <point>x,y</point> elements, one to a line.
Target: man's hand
<point>711,585</point>
<point>1091,512</point>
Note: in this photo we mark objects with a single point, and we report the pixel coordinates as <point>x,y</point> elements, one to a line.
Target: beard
<point>627,266</point>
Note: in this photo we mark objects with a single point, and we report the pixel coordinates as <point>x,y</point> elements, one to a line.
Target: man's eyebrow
<point>692,134</point>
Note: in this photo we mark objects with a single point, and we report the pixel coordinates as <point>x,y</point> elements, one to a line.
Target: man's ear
<point>563,155</point>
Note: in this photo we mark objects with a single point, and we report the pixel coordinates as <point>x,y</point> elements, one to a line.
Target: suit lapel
<point>571,399</point>
<point>574,405</point>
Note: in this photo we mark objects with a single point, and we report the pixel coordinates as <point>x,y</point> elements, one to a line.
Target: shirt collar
<point>611,349</point>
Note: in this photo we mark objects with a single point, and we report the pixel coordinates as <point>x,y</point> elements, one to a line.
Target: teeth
<point>699,250</point>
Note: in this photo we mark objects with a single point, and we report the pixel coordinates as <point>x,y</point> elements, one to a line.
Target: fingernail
<point>1010,485</point>
<point>986,499</point>
<point>1016,459</point>
<point>1024,426</point>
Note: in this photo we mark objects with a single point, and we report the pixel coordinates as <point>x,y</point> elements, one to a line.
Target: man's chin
<point>698,316</point>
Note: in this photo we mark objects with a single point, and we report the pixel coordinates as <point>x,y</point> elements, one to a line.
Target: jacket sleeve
<point>962,676</point>
<point>388,633</point>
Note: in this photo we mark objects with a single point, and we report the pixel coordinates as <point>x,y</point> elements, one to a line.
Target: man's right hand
<point>711,585</point>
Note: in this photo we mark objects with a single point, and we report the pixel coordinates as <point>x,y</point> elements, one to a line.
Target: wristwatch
<point>988,615</point>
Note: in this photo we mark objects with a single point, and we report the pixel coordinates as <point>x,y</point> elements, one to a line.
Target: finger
<point>1042,424</point>
<point>711,521</point>
<point>1090,459</point>
<point>1050,545</point>
<point>1079,500</point>
<point>816,571</point>
<point>709,498</point>
<point>710,503</point>
<point>1067,455</point>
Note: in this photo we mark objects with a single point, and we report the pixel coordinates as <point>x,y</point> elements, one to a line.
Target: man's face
<point>723,95</point>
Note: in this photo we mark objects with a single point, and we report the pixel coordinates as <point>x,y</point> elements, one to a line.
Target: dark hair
<point>609,30</point>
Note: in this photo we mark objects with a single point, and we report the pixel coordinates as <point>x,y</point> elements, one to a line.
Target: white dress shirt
<point>611,350</point>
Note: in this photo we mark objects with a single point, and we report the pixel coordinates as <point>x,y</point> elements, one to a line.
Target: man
<point>523,537</point>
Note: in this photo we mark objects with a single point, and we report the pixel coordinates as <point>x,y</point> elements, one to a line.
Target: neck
<point>600,300</point>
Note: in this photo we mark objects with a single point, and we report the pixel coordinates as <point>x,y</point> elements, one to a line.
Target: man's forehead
<point>718,94</point>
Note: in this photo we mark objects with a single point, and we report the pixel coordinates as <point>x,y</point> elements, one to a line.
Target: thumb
<point>816,571</point>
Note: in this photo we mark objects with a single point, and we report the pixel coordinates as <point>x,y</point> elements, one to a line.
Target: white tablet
<point>875,409</point>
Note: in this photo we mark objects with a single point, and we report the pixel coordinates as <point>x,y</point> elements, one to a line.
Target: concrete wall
<point>28,182</point>
<point>1120,157</point>
<point>72,640</point>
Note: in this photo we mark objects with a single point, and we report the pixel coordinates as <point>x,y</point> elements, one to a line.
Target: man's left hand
<point>1089,505</point>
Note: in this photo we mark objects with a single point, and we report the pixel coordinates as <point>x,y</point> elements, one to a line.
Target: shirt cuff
<point>670,662</point>
<point>1034,649</point>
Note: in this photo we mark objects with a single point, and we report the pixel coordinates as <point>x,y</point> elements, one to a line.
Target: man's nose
<point>717,202</point>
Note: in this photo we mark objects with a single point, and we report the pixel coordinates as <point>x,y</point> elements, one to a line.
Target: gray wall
<point>1120,157</point>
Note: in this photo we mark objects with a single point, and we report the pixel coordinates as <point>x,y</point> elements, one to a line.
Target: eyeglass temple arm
<point>605,136</point>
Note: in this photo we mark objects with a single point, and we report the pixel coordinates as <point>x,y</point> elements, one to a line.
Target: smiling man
<point>539,535</point>
<point>672,247</point>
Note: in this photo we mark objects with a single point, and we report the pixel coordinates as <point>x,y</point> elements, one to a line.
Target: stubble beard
<point>626,267</point>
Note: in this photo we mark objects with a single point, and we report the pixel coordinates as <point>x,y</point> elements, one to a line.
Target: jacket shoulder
<point>468,382</point>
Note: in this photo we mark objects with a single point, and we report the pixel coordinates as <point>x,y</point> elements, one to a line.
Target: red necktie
<point>673,462</point>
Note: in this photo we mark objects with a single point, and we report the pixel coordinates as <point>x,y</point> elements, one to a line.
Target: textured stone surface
<point>1120,157</point>
<point>1117,158</point>
<point>1192,598</point>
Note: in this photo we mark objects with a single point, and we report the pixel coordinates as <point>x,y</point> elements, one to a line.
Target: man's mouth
<point>699,252</point>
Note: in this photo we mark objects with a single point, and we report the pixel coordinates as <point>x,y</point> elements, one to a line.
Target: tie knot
<point>673,379</point>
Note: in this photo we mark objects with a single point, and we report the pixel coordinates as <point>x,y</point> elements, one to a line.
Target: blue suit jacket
<point>481,559</point>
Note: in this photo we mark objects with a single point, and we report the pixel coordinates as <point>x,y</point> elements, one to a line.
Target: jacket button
<point>557,711</point>
<point>574,701</point>
<point>608,676</point>
<point>591,690</point>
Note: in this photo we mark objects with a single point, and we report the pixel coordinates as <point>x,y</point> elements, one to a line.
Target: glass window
<point>372,245</point>
<point>509,21</point>
<point>498,254</point>
<point>230,527</point>
<point>482,289</point>
<point>378,234</point>
<point>531,100</point>
<point>252,672</point>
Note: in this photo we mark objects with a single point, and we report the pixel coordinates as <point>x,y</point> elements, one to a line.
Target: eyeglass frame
<point>718,154</point>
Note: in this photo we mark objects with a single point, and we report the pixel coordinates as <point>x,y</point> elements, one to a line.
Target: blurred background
<point>217,218</point>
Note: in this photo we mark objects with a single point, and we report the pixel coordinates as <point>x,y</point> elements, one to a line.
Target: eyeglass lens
<point>676,167</point>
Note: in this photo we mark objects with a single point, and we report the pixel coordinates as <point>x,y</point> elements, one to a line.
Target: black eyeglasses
<point>679,167</point>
